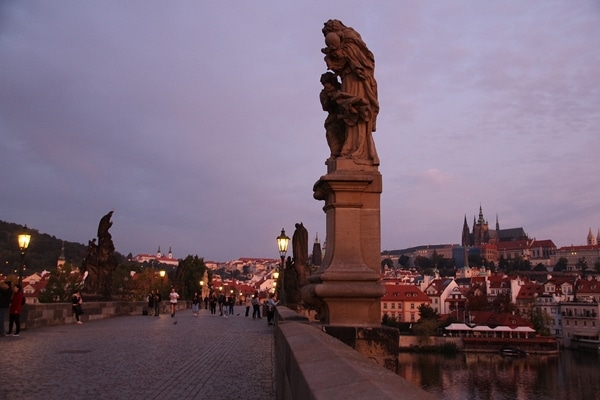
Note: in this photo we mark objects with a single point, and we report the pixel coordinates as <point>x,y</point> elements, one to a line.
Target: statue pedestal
<point>345,290</point>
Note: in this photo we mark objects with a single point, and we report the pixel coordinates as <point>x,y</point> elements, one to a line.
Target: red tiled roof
<point>404,293</point>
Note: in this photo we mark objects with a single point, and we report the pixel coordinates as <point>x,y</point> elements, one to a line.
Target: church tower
<point>591,240</point>
<point>480,230</point>
<point>61,259</point>
<point>466,235</point>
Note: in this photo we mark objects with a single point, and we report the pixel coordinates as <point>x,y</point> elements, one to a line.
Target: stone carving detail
<point>349,95</point>
<point>100,262</point>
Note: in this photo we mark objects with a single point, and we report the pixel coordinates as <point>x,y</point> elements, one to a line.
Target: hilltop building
<point>158,258</point>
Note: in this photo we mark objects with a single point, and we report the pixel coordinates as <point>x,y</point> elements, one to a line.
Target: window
<point>412,306</point>
<point>393,305</point>
<point>385,306</point>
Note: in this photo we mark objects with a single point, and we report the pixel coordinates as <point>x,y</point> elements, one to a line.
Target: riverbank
<point>478,345</point>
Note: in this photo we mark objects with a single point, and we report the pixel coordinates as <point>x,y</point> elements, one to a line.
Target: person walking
<point>248,303</point>
<point>212,303</point>
<point>225,308</point>
<point>76,302</point>
<point>255,306</point>
<point>195,304</point>
<point>173,297</point>
<point>231,304</point>
<point>150,302</point>
<point>5,295</point>
<point>157,300</point>
<point>16,305</point>
<point>271,304</point>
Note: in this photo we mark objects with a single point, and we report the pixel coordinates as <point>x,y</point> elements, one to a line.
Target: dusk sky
<point>199,122</point>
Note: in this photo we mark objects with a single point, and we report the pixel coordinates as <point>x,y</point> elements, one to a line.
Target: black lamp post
<point>282,245</point>
<point>23,239</point>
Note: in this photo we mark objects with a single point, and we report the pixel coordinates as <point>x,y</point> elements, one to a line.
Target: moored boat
<point>513,352</point>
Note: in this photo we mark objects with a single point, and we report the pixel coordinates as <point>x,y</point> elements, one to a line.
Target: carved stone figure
<point>300,252</point>
<point>100,262</point>
<point>353,101</point>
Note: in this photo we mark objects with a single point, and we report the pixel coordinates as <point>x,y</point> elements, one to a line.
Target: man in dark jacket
<point>5,295</point>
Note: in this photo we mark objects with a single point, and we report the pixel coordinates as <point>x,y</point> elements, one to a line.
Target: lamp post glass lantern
<point>162,278</point>
<point>282,246</point>
<point>23,240</point>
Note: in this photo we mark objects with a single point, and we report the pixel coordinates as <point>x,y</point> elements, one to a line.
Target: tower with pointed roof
<point>591,240</point>
<point>466,235</point>
<point>480,230</point>
<point>61,258</point>
<point>317,255</point>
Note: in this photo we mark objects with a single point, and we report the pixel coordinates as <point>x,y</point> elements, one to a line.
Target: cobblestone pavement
<point>142,357</point>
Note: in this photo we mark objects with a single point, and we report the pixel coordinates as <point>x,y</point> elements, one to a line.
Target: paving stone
<point>142,357</point>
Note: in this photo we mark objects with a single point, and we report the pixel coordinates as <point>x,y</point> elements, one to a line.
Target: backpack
<point>255,301</point>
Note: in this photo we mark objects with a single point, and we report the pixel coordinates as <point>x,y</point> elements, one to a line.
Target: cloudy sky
<point>199,122</point>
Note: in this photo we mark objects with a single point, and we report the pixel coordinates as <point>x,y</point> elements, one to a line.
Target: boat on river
<point>513,352</point>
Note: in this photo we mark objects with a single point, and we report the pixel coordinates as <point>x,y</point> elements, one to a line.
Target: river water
<point>485,376</point>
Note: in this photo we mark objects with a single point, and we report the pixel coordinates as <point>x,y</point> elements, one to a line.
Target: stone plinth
<point>345,289</point>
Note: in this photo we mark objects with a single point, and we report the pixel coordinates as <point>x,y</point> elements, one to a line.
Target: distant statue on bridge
<point>300,252</point>
<point>352,104</point>
<point>100,263</point>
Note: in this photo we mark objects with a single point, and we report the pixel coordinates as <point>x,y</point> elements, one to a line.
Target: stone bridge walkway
<point>142,357</point>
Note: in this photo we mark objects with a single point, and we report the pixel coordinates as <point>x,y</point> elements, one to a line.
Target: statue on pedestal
<point>352,104</point>
<point>100,262</point>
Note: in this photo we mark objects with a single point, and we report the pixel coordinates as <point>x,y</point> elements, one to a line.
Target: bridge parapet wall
<point>310,364</point>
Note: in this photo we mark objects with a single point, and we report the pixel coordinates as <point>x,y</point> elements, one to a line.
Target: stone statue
<point>300,252</point>
<point>100,262</point>
<point>290,284</point>
<point>353,101</point>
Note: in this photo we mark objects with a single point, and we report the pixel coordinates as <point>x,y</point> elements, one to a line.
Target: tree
<point>423,262</point>
<point>428,321</point>
<point>503,304</point>
<point>582,265</point>
<point>62,282</point>
<point>561,264</point>
<point>478,302</point>
<point>403,260</point>
<point>540,267</point>
<point>386,262</point>
<point>427,312</point>
<point>540,321</point>
<point>189,274</point>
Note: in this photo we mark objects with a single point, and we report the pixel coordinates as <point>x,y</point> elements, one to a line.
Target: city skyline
<point>201,126</point>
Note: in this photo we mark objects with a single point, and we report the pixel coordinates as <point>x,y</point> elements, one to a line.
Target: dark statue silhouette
<point>100,263</point>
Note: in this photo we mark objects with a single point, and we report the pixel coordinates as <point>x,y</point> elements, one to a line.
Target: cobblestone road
<point>142,357</point>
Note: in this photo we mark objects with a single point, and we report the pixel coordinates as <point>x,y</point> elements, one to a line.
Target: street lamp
<point>162,278</point>
<point>282,245</point>
<point>23,239</point>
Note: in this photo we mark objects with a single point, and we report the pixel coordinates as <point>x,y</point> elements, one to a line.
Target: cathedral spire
<point>466,236</point>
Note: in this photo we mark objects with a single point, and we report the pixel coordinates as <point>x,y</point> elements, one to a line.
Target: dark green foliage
<point>61,285</point>
<point>189,274</point>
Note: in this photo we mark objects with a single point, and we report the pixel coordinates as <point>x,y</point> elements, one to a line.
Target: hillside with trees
<point>42,253</point>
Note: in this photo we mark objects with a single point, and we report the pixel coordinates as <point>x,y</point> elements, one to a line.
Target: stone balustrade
<point>51,314</point>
